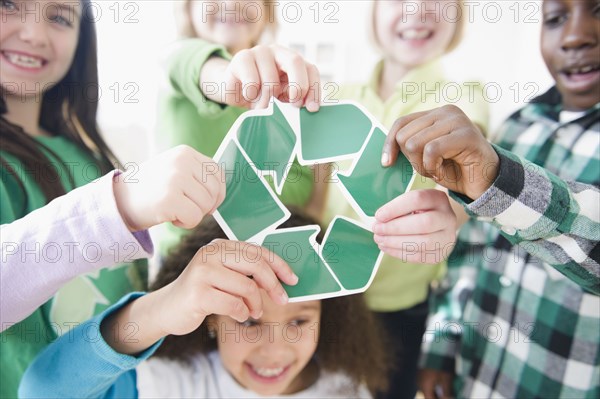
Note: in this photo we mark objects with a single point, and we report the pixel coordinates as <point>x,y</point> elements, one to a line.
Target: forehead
<point>273,310</point>
<point>49,6</point>
<point>571,3</point>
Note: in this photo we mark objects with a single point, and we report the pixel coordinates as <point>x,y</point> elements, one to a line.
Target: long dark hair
<point>350,338</point>
<point>68,109</point>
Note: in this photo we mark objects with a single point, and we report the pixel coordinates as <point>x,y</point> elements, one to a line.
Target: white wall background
<point>500,47</point>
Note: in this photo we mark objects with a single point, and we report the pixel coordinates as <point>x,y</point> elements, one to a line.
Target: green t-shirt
<point>186,116</point>
<point>77,301</point>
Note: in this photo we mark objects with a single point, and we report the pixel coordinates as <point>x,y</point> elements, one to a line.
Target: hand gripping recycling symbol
<point>266,142</point>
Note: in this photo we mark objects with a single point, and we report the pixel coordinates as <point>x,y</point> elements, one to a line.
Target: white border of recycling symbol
<point>265,143</point>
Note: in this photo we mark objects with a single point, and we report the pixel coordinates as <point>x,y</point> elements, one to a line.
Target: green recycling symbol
<point>266,142</point>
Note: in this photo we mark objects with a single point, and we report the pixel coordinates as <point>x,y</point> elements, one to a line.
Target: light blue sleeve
<point>80,364</point>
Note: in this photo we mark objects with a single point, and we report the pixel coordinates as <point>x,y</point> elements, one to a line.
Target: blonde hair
<point>456,38</point>
<point>185,25</point>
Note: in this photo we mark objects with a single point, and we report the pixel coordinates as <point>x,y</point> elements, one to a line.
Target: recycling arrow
<point>265,143</point>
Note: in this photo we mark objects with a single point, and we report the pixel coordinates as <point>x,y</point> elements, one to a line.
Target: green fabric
<point>527,266</point>
<point>400,285</point>
<point>186,116</point>
<point>82,297</point>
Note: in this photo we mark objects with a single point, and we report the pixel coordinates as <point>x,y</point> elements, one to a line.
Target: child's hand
<point>418,226</point>
<point>223,278</point>
<point>255,75</point>
<point>436,384</point>
<point>445,145</point>
<point>180,186</point>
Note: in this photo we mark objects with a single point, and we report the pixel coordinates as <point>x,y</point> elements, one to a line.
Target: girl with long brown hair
<point>50,145</point>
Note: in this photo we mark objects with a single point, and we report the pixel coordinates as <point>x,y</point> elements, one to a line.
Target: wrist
<point>488,175</point>
<point>212,78</point>
<point>120,194</point>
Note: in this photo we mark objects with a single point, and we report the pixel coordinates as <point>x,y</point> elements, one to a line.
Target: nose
<point>33,31</point>
<point>276,344</point>
<point>581,31</point>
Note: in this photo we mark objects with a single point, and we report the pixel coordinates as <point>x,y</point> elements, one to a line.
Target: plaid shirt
<point>519,313</point>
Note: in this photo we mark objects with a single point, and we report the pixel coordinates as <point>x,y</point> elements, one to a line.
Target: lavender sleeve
<point>77,233</point>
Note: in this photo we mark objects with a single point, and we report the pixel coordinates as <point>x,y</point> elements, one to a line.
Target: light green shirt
<point>400,285</point>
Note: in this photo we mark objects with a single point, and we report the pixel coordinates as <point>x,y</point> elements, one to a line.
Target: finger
<point>254,265</point>
<point>390,146</point>
<point>427,386</point>
<point>419,251</point>
<point>312,101</point>
<point>424,223</point>
<point>188,215</point>
<point>238,285</point>
<point>265,268</point>
<point>295,67</point>
<point>269,76</point>
<point>246,71</point>
<point>209,176</point>
<point>223,303</point>
<point>446,385</point>
<point>410,202</point>
<point>447,147</point>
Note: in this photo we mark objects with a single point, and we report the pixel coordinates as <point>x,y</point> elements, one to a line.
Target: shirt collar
<point>430,72</point>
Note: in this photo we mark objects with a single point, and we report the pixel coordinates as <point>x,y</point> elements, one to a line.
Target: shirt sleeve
<point>80,364</point>
<point>76,233</point>
<point>183,62</point>
<point>554,220</point>
<point>445,328</point>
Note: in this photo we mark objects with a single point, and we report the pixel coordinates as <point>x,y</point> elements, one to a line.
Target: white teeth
<point>265,372</point>
<point>24,61</point>
<point>415,34</point>
<point>585,69</point>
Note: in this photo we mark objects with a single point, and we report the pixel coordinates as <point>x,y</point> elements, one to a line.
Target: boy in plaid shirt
<point>519,313</point>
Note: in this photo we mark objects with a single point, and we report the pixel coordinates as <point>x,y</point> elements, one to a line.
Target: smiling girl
<point>230,338</point>
<point>217,71</point>
<point>412,38</point>
<point>58,231</point>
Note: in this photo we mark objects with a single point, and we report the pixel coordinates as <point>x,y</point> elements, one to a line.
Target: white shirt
<point>206,377</point>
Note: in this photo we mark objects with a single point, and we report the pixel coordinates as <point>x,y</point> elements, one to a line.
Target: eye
<point>250,323</point>
<point>554,19</point>
<point>8,5</point>
<point>61,20</point>
<point>298,322</point>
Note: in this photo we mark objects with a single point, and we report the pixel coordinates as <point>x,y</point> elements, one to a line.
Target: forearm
<point>81,364</point>
<point>135,327</point>
<point>211,81</point>
<point>184,65</point>
<point>554,220</point>
<point>76,233</point>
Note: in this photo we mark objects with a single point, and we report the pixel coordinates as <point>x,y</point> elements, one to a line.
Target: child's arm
<point>208,76</point>
<point>98,358</point>
<point>257,74</point>
<point>557,219</point>
<point>216,281</point>
<point>90,228</point>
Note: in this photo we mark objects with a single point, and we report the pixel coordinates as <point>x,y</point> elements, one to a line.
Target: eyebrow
<point>69,8</point>
<point>309,307</point>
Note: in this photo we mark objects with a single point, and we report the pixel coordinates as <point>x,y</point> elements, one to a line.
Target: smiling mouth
<point>416,34</point>
<point>24,61</point>
<point>579,71</point>
<point>268,374</point>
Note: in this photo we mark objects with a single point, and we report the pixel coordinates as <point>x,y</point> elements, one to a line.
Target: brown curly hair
<point>350,339</point>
